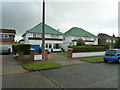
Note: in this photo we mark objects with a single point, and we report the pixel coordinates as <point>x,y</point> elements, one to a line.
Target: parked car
<point>4,50</point>
<point>112,55</point>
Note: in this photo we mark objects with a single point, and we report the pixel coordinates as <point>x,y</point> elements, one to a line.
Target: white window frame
<point>4,36</point>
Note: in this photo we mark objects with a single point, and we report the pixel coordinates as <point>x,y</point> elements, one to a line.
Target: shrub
<point>80,42</point>
<point>21,47</point>
<point>88,48</point>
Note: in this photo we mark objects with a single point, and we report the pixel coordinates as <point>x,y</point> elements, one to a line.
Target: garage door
<point>36,47</point>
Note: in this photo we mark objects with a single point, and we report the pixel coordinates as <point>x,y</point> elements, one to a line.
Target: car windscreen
<point>3,48</point>
<point>110,52</point>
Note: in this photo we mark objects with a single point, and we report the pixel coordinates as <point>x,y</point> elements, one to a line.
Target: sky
<point>94,16</point>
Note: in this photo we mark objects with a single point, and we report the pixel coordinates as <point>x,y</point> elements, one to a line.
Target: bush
<point>21,47</point>
<point>88,48</point>
<point>80,42</point>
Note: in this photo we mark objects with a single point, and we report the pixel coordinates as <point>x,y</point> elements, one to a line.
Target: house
<point>105,39</point>
<point>7,37</point>
<point>72,35</point>
<point>53,37</point>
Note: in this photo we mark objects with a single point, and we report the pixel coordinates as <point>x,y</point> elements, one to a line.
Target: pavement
<point>10,65</point>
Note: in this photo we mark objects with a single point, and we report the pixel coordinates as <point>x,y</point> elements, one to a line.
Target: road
<point>84,75</point>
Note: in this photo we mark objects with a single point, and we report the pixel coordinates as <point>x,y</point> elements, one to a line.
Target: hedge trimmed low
<point>88,48</point>
<point>21,47</point>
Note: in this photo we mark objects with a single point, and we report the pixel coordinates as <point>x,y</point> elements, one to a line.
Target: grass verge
<point>93,60</point>
<point>63,54</point>
<point>39,66</point>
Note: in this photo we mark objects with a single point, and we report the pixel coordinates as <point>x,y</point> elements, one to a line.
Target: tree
<point>80,42</point>
<point>117,44</point>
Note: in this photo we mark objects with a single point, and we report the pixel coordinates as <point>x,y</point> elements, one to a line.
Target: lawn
<point>63,54</point>
<point>93,60</point>
<point>38,66</point>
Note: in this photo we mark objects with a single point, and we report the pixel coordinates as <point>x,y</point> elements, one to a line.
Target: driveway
<point>84,75</point>
<point>53,57</point>
<point>10,65</point>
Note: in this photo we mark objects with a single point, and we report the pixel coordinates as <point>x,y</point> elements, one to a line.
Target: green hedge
<point>88,48</point>
<point>21,47</point>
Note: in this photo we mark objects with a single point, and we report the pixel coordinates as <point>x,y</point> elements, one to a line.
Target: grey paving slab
<point>53,57</point>
<point>27,80</point>
<point>0,82</point>
<point>13,70</point>
<point>10,65</point>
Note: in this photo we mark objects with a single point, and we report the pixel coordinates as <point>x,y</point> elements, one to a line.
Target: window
<point>54,36</point>
<point>46,45</point>
<point>11,37</point>
<point>113,41</point>
<point>36,35</point>
<point>95,39</point>
<point>110,52</point>
<point>4,36</point>
<point>77,37</point>
<point>108,40</point>
<point>50,45</point>
<point>87,38</point>
<point>92,39</point>
<point>57,46</point>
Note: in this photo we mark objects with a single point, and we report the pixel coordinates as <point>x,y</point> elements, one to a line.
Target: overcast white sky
<point>95,16</point>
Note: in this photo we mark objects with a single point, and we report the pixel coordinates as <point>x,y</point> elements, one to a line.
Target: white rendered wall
<point>87,54</point>
<point>38,42</point>
<point>49,36</point>
<point>46,36</point>
<point>65,46</point>
<point>68,39</point>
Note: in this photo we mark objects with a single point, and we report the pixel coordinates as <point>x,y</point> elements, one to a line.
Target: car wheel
<point>105,61</point>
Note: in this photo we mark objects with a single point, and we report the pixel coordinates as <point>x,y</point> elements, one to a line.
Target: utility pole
<point>43,32</point>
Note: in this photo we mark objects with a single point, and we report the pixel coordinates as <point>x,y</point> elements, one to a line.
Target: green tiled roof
<point>48,29</point>
<point>78,32</point>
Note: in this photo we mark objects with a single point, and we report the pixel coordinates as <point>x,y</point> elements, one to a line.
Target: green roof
<point>75,31</point>
<point>48,29</point>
